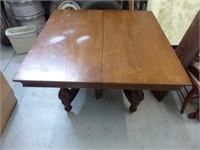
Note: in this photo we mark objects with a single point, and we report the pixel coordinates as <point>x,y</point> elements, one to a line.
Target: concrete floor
<point>40,122</point>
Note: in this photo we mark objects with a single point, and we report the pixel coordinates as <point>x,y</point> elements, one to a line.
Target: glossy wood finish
<point>102,49</point>
<point>67,53</point>
<point>137,55</point>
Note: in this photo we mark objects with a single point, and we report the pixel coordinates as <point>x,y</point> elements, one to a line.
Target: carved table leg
<point>67,95</point>
<point>98,93</point>
<point>134,97</point>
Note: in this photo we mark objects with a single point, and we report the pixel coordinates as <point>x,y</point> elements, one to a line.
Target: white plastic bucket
<point>22,38</point>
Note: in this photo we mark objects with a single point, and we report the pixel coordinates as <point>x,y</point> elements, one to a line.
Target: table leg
<point>98,93</point>
<point>134,97</point>
<point>67,95</point>
<point>159,95</point>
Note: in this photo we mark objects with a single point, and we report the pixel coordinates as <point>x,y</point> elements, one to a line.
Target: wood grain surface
<point>95,48</point>
<point>67,53</point>
<point>136,53</point>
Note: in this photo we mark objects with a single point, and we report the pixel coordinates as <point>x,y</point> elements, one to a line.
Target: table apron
<point>101,86</point>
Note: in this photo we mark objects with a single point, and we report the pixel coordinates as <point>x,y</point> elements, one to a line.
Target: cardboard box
<point>7,101</point>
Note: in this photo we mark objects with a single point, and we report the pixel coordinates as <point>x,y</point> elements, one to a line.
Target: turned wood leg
<point>134,97</point>
<point>67,95</point>
<point>98,93</point>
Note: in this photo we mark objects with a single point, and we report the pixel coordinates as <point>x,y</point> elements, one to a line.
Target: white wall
<point>174,16</point>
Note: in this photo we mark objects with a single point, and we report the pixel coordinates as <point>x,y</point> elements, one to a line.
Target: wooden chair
<point>186,51</point>
<point>193,73</point>
<point>194,115</point>
<point>188,48</point>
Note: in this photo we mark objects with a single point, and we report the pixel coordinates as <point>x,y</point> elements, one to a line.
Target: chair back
<point>188,48</point>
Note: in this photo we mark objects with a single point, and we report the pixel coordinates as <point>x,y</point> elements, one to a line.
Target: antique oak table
<point>102,49</point>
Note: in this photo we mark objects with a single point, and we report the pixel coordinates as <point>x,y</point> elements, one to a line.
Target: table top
<point>102,48</point>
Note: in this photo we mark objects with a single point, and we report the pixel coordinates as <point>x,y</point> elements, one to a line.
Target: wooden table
<point>102,49</point>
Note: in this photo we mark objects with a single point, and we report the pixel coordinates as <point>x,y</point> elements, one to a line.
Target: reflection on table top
<point>102,48</point>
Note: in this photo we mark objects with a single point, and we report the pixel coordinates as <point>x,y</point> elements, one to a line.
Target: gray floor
<point>39,121</point>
